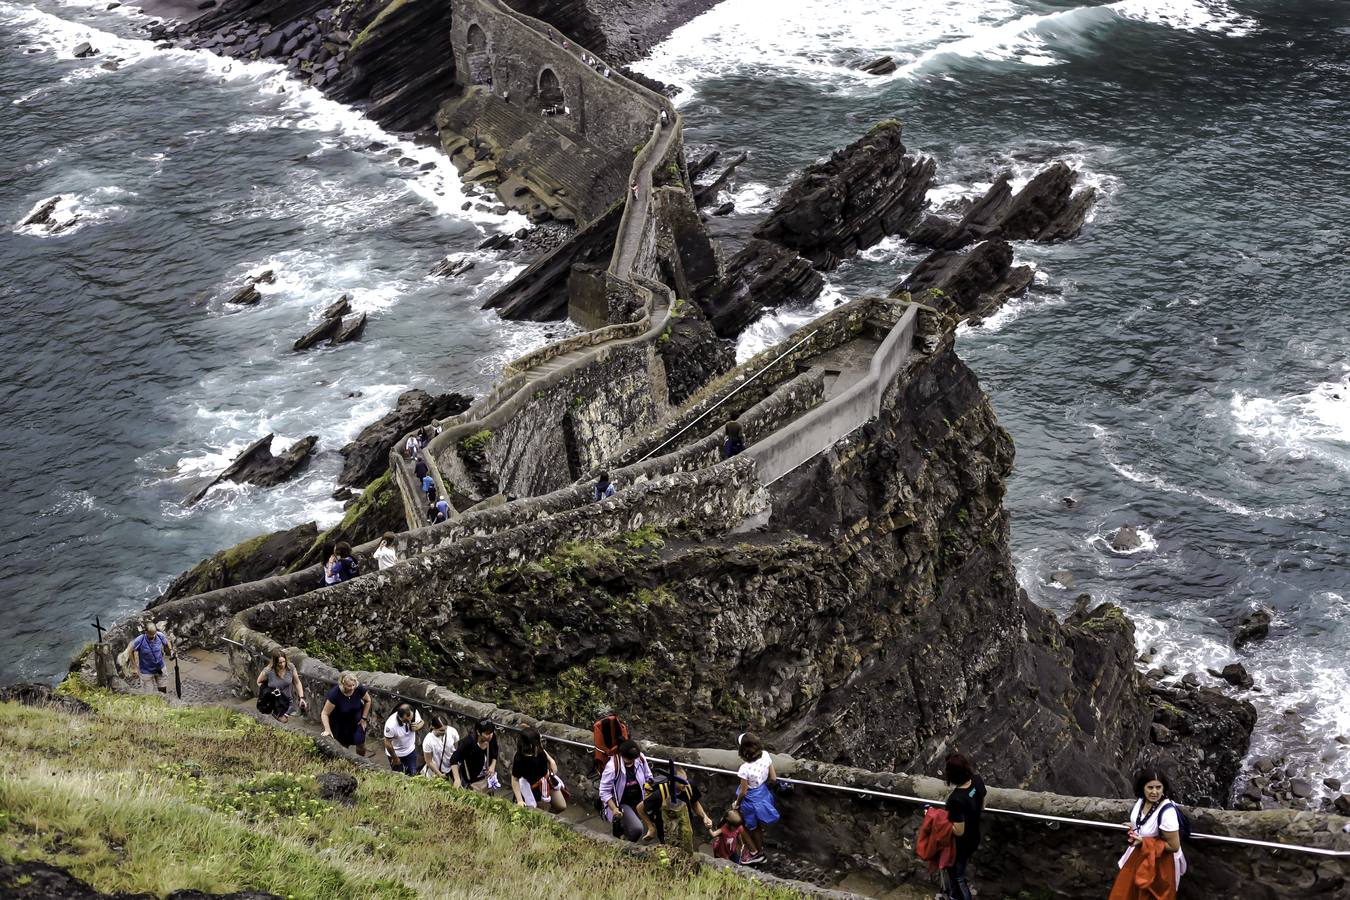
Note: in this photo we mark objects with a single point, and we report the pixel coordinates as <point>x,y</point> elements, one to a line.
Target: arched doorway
<point>550,92</point>
<point>480,61</point>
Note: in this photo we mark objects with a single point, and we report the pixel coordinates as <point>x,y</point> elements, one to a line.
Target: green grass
<point>140,796</point>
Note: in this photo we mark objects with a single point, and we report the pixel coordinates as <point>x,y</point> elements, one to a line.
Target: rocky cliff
<point>873,620</point>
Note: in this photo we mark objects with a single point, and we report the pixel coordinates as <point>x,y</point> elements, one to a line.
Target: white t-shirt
<point>441,749</point>
<point>403,737</point>
<point>757,772</point>
<point>386,557</point>
<point>1164,820</point>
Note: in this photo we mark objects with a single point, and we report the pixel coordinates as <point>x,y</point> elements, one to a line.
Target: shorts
<point>154,682</point>
<point>757,807</point>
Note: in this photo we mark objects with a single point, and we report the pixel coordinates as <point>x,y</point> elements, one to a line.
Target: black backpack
<point>1183,823</point>
<point>271,702</point>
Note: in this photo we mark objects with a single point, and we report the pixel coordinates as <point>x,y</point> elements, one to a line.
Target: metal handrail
<point>737,390</point>
<point>888,795</point>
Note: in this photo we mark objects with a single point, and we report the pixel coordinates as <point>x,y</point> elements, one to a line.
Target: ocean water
<point>126,378</point>
<point>1183,365</point>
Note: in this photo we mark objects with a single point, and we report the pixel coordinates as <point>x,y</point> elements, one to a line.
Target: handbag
<point>270,701</point>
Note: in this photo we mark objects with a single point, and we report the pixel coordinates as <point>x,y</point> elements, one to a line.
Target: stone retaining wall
<point>875,834</point>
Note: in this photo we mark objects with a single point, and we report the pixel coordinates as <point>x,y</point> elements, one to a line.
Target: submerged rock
<point>452,265</point>
<point>882,65</point>
<point>44,214</point>
<point>1254,627</point>
<point>1126,539</point>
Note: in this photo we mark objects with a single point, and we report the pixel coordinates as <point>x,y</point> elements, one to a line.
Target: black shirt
<point>531,768</point>
<point>472,756</point>
<point>632,790</point>
<point>966,805</point>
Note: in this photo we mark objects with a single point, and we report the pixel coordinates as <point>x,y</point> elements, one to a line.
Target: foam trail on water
<point>297,105</point>
<point>1315,424</point>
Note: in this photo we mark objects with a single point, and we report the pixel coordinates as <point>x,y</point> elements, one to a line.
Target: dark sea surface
<point>126,378</point>
<point>1181,367</point>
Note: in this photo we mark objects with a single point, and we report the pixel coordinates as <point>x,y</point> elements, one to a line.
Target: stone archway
<point>550,91</point>
<point>480,60</point>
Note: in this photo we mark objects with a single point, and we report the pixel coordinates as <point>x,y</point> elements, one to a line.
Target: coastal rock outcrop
<point>818,630</point>
<point>861,194</point>
<point>1046,209</point>
<point>764,274</point>
<point>693,353</point>
<point>1207,734</point>
<point>367,456</point>
<point>968,285</point>
<point>257,465</point>
<point>256,558</point>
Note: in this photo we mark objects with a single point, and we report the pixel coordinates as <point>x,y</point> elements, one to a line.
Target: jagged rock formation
<point>367,456</point>
<point>1047,209</point>
<point>257,465</point>
<point>1200,736</point>
<point>708,180</point>
<point>968,285</point>
<point>762,275</point>
<point>692,352</point>
<point>254,559</point>
<point>861,194</point>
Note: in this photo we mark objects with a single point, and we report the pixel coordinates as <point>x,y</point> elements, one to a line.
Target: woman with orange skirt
<point>1152,866</point>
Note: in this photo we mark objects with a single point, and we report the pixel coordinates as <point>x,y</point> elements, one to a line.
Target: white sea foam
<point>75,211</point>
<point>1110,452</point>
<point>1315,424</point>
<point>828,39</point>
<point>292,103</point>
<point>777,324</point>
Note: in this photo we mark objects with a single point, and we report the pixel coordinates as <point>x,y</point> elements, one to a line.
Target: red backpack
<point>608,733</point>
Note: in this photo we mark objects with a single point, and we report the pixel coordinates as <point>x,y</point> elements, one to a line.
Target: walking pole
<point>177,676</point>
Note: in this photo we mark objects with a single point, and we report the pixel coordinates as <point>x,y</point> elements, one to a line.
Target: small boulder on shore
<point>84,50</point>
<point>1236,675</point>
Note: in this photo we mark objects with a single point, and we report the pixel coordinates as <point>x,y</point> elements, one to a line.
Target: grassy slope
<point>144,797</point>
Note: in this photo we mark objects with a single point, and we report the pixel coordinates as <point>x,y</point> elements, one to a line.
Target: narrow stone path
<point>206,682</point>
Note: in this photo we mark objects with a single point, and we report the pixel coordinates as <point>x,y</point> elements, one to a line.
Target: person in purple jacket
<point>623,791</point>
